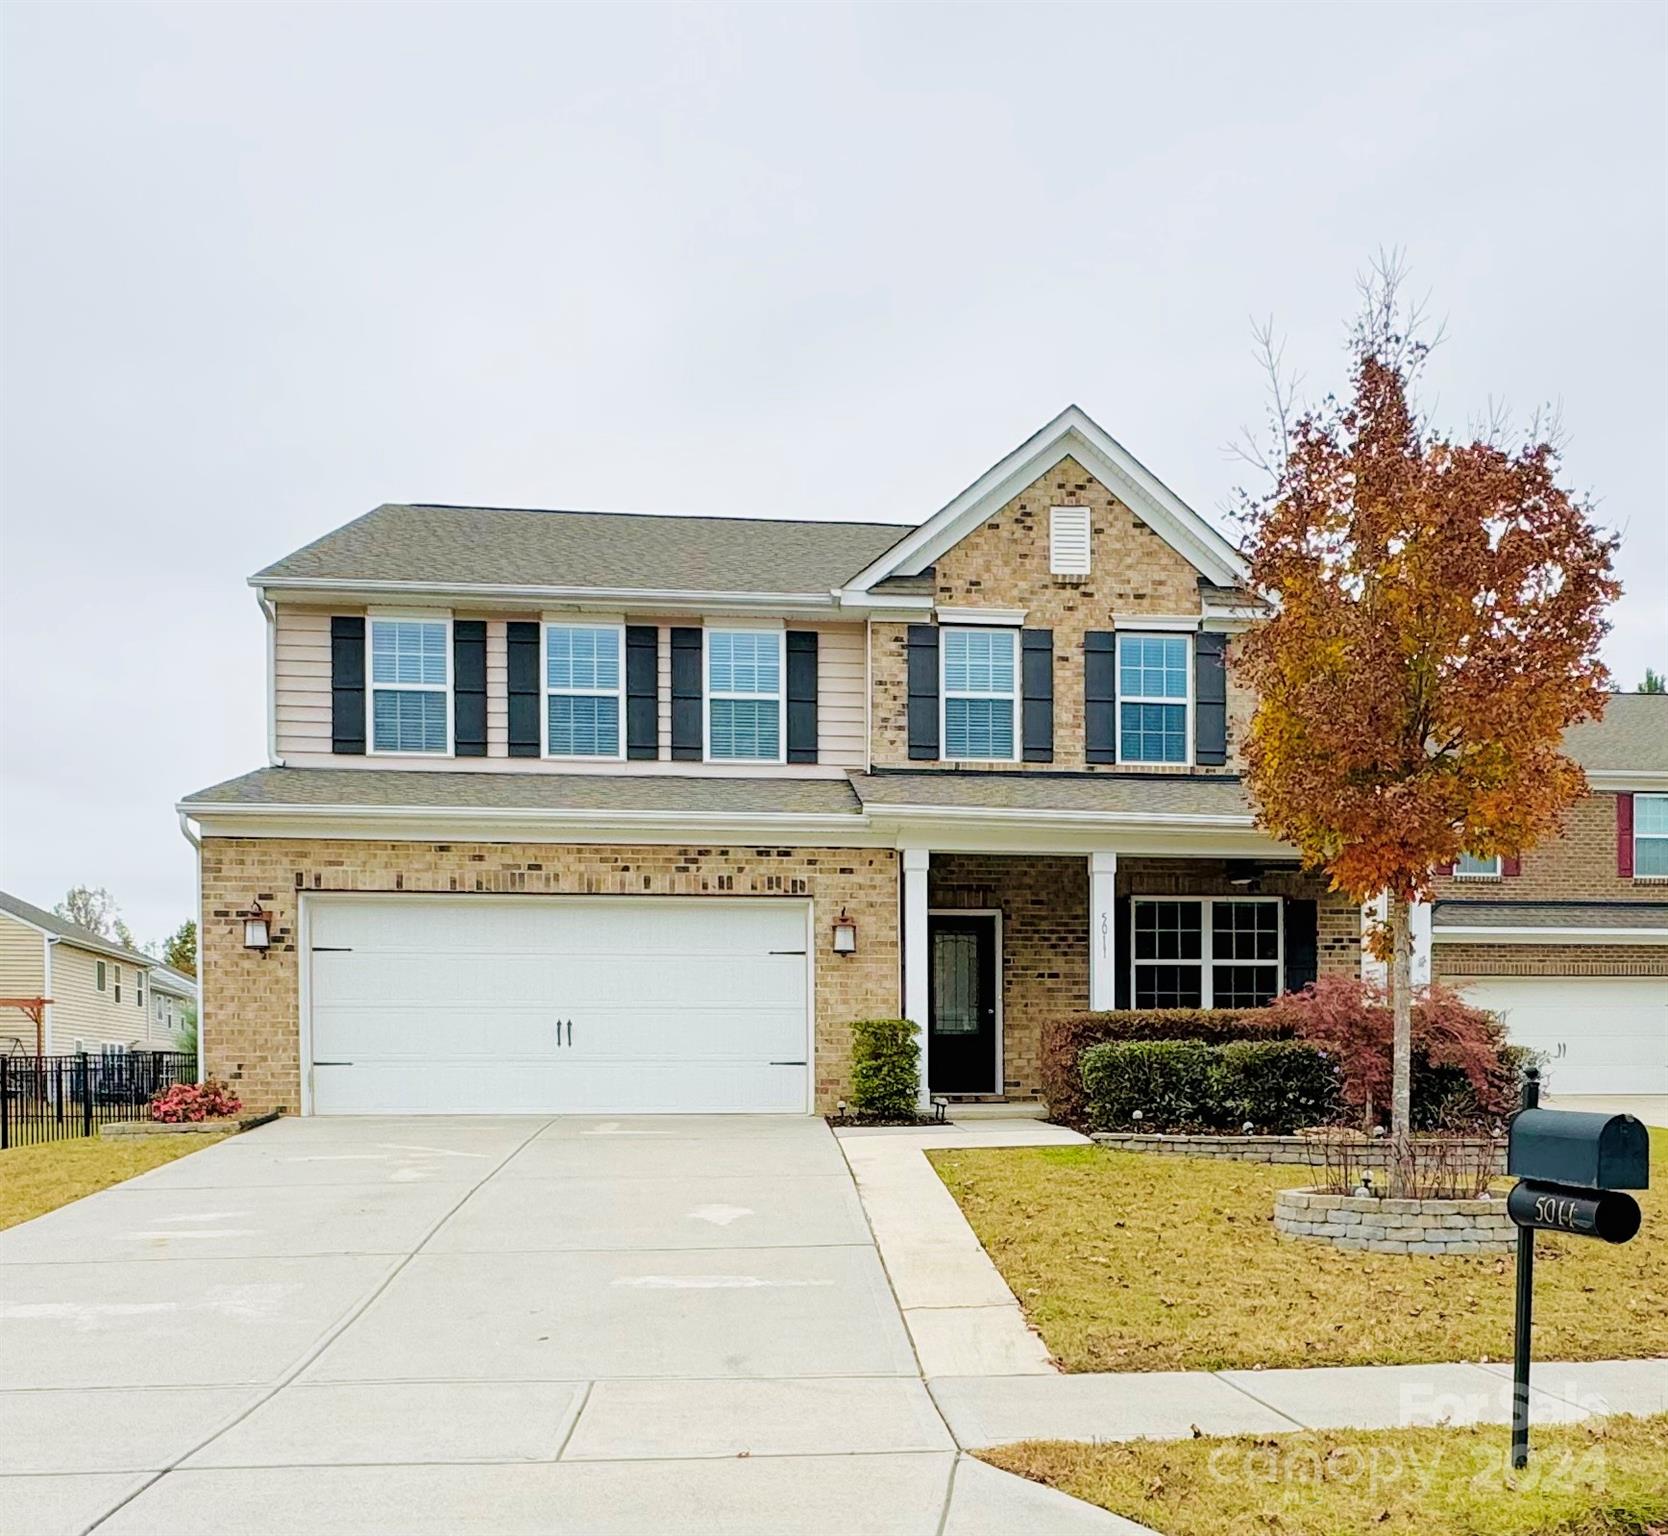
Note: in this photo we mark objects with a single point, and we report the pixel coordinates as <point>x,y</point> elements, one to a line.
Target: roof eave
<point>658,599</point>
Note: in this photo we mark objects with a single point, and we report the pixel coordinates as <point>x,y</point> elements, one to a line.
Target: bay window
<point>980,691</point>
<point>411,685</point>
<point>1153,698</point>
<point>744,695</point>
<point>583,679</point>
<point>1205,952</point>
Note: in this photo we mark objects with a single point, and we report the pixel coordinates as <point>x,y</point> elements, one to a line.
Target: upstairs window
<point>583,678</point>
<point>1153,695</point>
<point>744,695</point>
<point>118,984</point>
<point>1650,837</point>
<point>411,678</point>
<point>1471,866</point>
<point>980,693</point>
<point>98,974</point>
<point>1068,541</point>
<point>139,988</point>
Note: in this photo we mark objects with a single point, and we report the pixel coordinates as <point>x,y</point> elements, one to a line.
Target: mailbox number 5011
<point>1554,1212</point>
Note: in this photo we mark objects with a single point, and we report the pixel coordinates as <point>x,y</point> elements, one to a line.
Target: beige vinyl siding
<point>81,1012</point>
<point>22,974</point>
<point>842,678</point>
<point>302,679</point>
<point>301,668</point>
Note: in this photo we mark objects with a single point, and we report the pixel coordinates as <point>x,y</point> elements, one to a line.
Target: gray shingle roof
<point>1632,736</point>
<point>505,546</point>
<point>72,933</point>
<point>426,790</point>
<point>1129,794</point>
<point>1572,915</point>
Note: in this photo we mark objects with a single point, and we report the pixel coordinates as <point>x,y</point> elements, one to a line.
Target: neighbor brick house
<point>579,811</point>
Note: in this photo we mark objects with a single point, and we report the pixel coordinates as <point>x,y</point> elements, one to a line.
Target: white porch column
<point>1103,938</point>
<point>916,953</point>
<point>1419,930</point>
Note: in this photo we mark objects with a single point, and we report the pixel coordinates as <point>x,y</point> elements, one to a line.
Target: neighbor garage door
<point>1600,1034</point>
<point>533,1004</point>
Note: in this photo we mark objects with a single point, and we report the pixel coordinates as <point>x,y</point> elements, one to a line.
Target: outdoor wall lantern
<point>845,934</point>
<point>257,929</point>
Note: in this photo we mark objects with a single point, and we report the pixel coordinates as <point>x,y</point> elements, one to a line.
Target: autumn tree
<point>93,908</point>
<point>1438,607</point>
<point>1653,682</point>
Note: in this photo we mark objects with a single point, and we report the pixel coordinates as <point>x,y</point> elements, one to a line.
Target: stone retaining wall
<point>1395,1226</point>
<point>1260,1149</point>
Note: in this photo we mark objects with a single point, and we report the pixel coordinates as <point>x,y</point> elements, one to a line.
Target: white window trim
<point>388,615</point>
<point>1013,696</point>
<point>545,690</point>
<point>1495,872</point>
<point>1207,960</point>
<point>1123,699</point>
<point>1646,837</point>
<point>708,694</point>
<point>100,976</point>
<point>1055,568</point>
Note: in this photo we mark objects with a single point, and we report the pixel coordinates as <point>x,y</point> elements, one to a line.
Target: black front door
<point>961,1043</point>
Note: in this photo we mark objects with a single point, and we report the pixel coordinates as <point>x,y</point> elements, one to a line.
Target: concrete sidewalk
<point>994,1382</point>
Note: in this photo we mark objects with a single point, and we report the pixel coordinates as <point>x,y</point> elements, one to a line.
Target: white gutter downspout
<point>46,980</point>
<point>270,613</point>
<point>202,1018</point>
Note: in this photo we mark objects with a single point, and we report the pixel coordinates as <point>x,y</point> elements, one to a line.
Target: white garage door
<point>515,1005</point>
<point>1600,1034</point>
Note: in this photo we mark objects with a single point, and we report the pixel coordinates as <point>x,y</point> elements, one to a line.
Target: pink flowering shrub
<point>194,1101</point>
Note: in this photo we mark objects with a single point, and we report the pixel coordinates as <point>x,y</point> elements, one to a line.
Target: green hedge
<point>1065,1039</point>
<point>885,1068</point>
<point>1279,1086</point>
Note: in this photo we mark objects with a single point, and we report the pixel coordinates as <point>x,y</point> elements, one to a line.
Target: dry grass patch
<point>1127,1262</point>
<point>1603,1478</point>
<point>35,1180</point>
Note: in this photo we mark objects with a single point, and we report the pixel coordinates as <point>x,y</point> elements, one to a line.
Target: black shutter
<point>521,642</point>
<point>469,693</point>
<point>686,695</point>
<point>1302,943</point>
<point>1123,930</point>
<point>802,695</point>
<point>1100,696</point>
<point>1037,694</point>
<point>1210,700</point>
<point>642,691</point>
<point>923,691</point>
<point>347,686</point>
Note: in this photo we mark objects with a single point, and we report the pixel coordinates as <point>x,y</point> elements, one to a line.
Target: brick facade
<point>1004,564</point>
<point>1455,962</point>
<point>251,1003</point>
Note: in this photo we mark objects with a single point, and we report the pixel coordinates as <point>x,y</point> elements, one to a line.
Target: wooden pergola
<point>35,1008</point>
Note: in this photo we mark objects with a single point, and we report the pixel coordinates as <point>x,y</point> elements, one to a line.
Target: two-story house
<point>586,812</point>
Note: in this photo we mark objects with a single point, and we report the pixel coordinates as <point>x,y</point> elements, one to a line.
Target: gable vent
<point>1068,541</point>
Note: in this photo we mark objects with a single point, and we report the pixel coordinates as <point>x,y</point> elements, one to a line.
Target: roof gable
<point>1073,433</point>
<point>70,933</point>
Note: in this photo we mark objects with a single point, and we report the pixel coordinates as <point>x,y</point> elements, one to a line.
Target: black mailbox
<point>1560,1146</point>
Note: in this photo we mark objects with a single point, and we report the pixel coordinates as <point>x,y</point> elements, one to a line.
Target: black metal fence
<point>46,1098</point>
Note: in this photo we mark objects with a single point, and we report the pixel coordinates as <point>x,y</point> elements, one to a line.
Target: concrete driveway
<point>500,1325</point>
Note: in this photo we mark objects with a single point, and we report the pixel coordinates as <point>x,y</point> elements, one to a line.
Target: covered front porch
<point>996,942</point>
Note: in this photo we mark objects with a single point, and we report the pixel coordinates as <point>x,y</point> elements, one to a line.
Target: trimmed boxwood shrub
<point>885,1068</point>
<point>1066,1038</point>
<point>1280,1086</point>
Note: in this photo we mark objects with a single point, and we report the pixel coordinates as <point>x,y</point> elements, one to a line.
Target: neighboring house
<point>100,990</point>
<point>1570,943</point>
<point>570,811</point>
<point>173,1002</point>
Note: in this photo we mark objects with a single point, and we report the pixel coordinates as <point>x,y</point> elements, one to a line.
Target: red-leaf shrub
<point>194,1101</point>
<point>1351,1019</point>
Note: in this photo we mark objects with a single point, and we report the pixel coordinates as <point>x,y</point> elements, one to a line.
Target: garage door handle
<point>570,1031</point>
<point>559,1032</point>
<point>332,1063</point>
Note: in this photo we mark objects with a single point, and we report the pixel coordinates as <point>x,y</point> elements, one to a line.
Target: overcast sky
<point>267,266</point>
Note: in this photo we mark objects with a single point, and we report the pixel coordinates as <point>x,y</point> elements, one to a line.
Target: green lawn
<point>1127,1262</point>
<point>1603,1478</point>
<point>35,1180</point>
